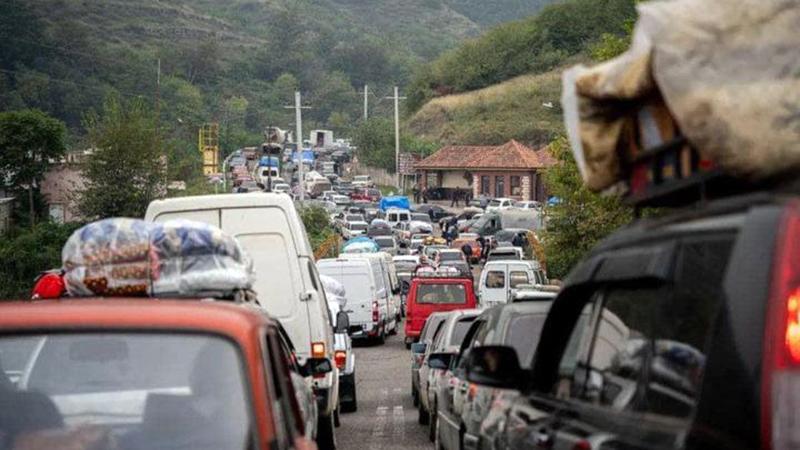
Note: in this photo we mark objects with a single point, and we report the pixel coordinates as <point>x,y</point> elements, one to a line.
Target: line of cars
<point>287,342</point>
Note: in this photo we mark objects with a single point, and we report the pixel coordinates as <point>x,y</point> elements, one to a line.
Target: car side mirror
<point>494,366</point>
<point>342,322</point>
<point>440,360</point>
<point>418,347</point>
<point>381,292</point>
<point>316,366</point>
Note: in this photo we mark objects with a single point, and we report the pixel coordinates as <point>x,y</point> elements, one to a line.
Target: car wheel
<point>415,397</point>
<point>408,345</point>
<point>423,417</point>
<point>433,424</point>
<point>382,336</point>
<point>336,422</point>
<point>326,438</point>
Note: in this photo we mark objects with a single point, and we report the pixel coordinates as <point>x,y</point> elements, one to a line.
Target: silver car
<point>435,386</point>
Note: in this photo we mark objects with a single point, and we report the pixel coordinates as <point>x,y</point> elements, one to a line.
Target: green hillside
<point>525,108</point>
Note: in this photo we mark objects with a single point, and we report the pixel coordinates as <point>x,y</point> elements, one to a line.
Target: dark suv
<point>677,332</point>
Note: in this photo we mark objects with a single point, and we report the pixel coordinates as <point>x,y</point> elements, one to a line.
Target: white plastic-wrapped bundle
<point>334,290</point>
<point>196,257</point>
<point>129,257</point>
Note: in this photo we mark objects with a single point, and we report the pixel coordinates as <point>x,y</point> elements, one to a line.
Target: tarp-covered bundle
<point>727,72</point>
<point>360,245</point>
<point>129,257</point>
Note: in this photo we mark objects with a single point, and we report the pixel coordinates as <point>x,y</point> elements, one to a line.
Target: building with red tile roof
<point>509,170</point>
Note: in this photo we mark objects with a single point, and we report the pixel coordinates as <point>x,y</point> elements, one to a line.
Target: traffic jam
<point>210,323</point>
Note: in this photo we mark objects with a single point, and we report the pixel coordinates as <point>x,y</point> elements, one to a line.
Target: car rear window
<point>450,256</point>
<point>131,384</point>
<point>358,226</point>
<point>460,329</point>
<point>384,242</point>
<point>523,335</point>
<point>442,294</point>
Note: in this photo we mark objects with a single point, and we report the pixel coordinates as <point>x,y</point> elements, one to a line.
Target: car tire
<point>423,417</point>
<point>433,424</point>
<point>336,422</point>
<point>415,397</point>
<point>326,437</point>
<point>408,345</point>
<point>381,339</point>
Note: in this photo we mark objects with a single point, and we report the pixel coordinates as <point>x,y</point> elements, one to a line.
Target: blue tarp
<point>394,202</point>
<point>308,156</point>
<point>268,161</point>
<point>361,244</point>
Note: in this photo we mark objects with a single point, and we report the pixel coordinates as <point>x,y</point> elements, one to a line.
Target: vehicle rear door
<point>636,384</point>
<point>494,285</point>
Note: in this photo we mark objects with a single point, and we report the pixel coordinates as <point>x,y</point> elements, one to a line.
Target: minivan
<point>500,278</point>
<point>364,280</point>
<point>396,216</point>
<point>287,283</point>
<point>435,292</point>
<point>391,282</point>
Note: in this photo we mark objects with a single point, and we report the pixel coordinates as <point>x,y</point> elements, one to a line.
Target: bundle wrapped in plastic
<point>129,257</point>
<point>334,290</point>
<point>726,70</point>
<point>110,257</point>
<point>196,257</point>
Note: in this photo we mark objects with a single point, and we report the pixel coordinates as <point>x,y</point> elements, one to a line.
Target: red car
<point>138,374</point>
<point>368,194</point>
<point>432,292</point>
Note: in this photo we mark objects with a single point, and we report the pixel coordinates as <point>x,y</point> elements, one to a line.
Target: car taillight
<point>317,349</point>
<point>375,314</point>
<point>340,357</point>
<point>780,376</point>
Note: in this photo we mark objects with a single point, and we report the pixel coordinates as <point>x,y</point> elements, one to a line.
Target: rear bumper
<point>365,331</point>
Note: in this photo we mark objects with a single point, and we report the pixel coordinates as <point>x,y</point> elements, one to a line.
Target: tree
<point>29,141</point>
<point>580,219</point>
<point>126,170</point>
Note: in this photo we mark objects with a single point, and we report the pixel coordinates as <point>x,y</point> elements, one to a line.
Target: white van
<point>396,216</point>
<point>499,278</point>
<point>367,295</point>
<point>263,174</point>
<point>392,283</point>
<point>287,282</point>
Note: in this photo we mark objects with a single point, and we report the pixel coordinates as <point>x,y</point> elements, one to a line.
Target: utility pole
<point>298,119</point>
<point>397,99</point>
<point>366,102</point>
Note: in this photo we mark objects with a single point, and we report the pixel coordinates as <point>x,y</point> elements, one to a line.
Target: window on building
<point>499,186</point>
<point>432,179</point>
<point>485,184</point>
<point>516,185</point>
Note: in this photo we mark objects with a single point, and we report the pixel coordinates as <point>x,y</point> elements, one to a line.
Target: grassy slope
<point>494,115</point>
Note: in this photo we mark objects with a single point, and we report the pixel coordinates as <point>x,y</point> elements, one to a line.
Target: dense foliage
<point>319,228</point>
<point>29,141</point>
<point>533,45</point>
<point>126,170</point>
<point>26,253</point>
<point>581,219</point>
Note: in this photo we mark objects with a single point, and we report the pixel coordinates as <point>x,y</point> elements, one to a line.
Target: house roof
<point>511,155</point>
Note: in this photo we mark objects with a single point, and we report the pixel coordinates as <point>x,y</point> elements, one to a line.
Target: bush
<point>26,253</point>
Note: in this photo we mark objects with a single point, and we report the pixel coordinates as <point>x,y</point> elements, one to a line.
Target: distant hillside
<point>514,109</point>
<point>532,45</point>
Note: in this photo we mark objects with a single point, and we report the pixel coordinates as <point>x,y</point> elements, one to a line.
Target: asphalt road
<point>386,417</point>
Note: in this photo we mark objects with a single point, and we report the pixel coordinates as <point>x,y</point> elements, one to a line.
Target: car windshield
<point>140,390</point>
<point>354,218</point>
<point>358,226</point>
<point>505,235</point>
<point>450,256</point>
<point>421,218</point>
<point>441,293</point>
<point>495,203</point>
<point>384,242</point>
